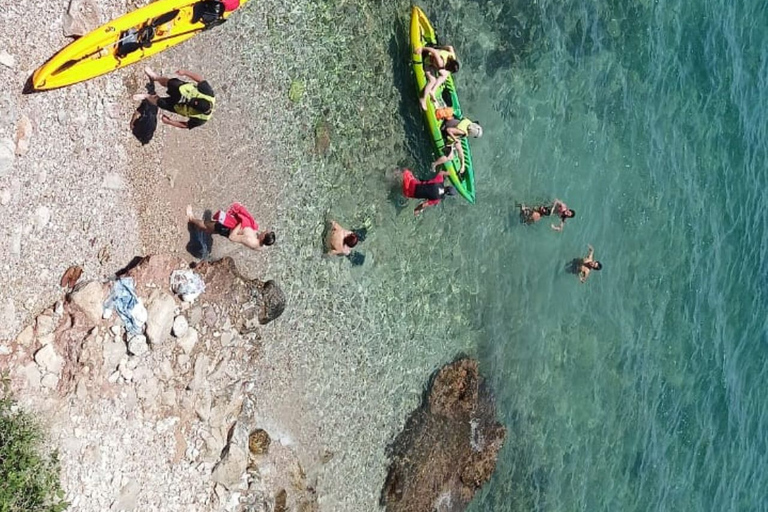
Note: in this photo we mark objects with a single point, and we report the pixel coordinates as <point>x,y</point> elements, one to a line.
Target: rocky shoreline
<point>165,422</point>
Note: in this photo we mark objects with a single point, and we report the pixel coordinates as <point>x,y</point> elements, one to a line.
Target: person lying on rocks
<point>236,224</point>
<point>193,101</point>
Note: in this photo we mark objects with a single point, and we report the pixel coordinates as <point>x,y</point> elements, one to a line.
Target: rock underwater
<point>449,446</point>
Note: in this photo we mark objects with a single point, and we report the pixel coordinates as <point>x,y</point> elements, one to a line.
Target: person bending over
<point>195,101</point>
<point>432,191</point>
<point>340,241</point>
<point>236,224</point>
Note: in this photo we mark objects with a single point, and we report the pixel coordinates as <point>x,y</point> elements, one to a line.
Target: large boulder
<point>449,446</point>
<point>247,302</point>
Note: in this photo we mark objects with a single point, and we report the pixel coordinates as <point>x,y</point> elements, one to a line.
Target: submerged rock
<point>258,442</point>
<point>449,446</point>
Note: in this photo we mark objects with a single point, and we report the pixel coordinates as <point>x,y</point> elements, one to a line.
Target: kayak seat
<point>208,12</point>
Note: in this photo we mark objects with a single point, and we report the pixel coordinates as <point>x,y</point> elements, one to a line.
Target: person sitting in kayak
<point>450,151</point>
<point>455,129</point>
<point>432,191</point>
<point>237,224</point>
<point>530,215</point>
<point>193,101</point>
<point>561,210</point>
<point>440,61</point>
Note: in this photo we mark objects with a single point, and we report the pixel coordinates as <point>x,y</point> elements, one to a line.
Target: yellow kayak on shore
<point>129,39</point>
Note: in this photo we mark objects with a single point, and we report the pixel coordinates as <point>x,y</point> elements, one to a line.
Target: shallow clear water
<point>639,390</point>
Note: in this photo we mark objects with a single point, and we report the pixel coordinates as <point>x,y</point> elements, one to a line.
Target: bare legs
<point>429,91</point>
<point>202,225</point>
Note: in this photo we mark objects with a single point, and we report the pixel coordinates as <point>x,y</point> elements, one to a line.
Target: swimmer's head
<point>351,240</point>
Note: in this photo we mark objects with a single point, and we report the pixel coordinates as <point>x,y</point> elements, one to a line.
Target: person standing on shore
<point>193,101</point>
<point>236,224</point>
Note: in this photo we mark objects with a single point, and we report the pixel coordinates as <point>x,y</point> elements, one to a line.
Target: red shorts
<point>409,183</point>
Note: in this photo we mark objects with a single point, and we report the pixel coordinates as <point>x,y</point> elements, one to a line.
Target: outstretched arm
<point>558,227</point>
<point>189,74</point>
<point>590,254</point>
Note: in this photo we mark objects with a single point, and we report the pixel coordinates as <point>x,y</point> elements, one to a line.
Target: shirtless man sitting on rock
<point>237,224</point>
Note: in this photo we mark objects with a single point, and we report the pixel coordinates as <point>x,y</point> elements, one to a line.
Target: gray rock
<point>26,336</point>
<point>201,372</point>
<point>5,197</point>
<point>30,373</point>
<point>127,499</point>
<point>113,352</point>
<point>23,134</point>
<point>45,325</point>
<point>180,326</point>
<point>47,358</point>
<point>90,299</point>
<point>113,182</point>
<point>81,17</point>
<point>50,381</point>
<point>160,312</point>
<point>188,341</point>
<point>230,469</point>
<point>6,59</point>
<point>4,351</point>
<point>137,345</point>
<point>7,156</point>
<point>47,339</point>
<point>42,218</point>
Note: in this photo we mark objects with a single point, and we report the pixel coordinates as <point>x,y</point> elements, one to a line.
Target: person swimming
<point>530,215</point>
<point>583,266</point>
<point>561,210</point>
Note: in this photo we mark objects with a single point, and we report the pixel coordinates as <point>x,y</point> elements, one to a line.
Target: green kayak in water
<point>422,34</point>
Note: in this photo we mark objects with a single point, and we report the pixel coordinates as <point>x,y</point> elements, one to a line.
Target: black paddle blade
<point>165,18</point>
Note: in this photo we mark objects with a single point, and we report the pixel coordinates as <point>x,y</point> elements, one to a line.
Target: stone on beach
<point>90,299</point>
<point>47,358</point>
<point>81,17</point>
<point>6,59</point>
<point>7,156</point>
<point>23,134</point>
<point>160,313</point>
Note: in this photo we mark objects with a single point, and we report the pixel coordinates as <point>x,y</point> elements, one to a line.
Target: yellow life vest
<point>446,55</point>
<point>188,92</point>
<point>464,125</point>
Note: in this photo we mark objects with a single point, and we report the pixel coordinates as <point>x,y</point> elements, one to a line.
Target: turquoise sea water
<point>639,390</point>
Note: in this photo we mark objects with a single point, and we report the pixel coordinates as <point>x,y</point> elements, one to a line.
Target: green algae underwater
<point>639,390</point>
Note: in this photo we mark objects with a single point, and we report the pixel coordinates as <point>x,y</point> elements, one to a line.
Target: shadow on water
<point>418,145</point>
<point>200,243</point>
